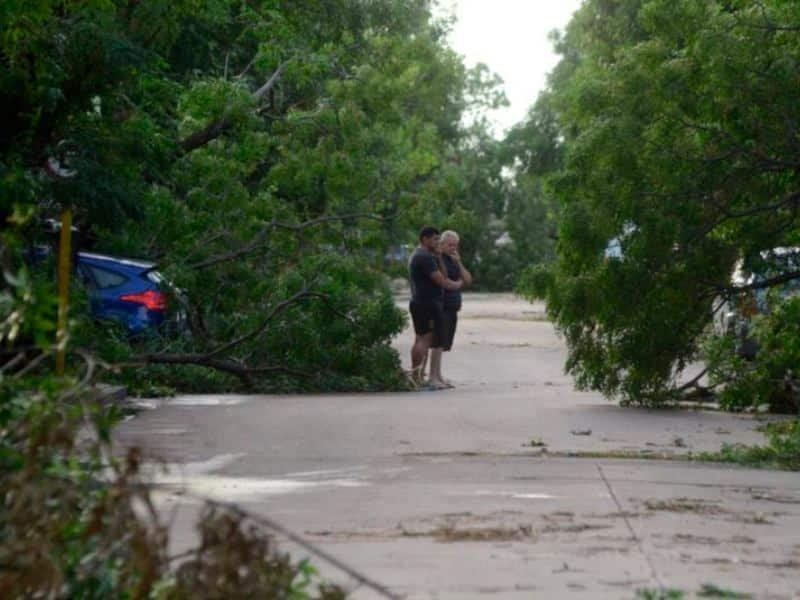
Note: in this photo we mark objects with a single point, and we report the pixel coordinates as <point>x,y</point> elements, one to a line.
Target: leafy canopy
<point>679,124</point>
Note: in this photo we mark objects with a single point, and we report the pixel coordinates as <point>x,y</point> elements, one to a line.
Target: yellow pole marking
<point>64,255</point>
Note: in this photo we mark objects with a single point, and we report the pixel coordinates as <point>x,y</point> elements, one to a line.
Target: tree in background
<point>533,152</point>
<point>679,128</point>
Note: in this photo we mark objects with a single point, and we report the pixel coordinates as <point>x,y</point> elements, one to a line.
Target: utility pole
<point>64,272</point>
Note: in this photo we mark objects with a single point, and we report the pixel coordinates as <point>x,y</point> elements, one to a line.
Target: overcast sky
<point>511,37</point>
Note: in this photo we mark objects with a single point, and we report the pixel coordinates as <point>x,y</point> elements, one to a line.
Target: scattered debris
<point>685,505</point>
<point>688,538</point>
<point>576,586</point>
<point>566,569</point>
<point>618,515</point>
<point>754,519</point>
<point>788,564</point>
<point>535,443</point>
<point>778,499</point>
<point>624,583</point>
<point>576,528</point>
<point>595,550</point>
<point>742,539</point>
<point>491,534</point>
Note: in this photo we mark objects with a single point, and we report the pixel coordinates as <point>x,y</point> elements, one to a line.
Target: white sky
<point>511,37</point>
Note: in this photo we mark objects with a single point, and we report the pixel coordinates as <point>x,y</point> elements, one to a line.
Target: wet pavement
<point>502,486</point>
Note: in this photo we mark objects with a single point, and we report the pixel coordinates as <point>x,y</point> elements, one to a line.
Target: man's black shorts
<point>449,328</point>
<point>428,317</point>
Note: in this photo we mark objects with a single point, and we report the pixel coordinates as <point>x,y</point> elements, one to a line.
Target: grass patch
<point>708,590</point>
<point>781,452</point>
<point>657,594</point>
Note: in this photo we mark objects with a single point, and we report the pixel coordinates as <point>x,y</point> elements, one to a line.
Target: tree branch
<point>277,309</point>
<point>694,383</point>
<point>261,236</point>
<point>264,89</point>
<point>215,129</point>
<point>211,359</point>
<point>758,285</point>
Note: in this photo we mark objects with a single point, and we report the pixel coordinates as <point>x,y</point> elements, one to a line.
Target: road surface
<point>508,485</point>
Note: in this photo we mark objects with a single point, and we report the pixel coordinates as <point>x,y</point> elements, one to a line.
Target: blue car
<point>128,292</point>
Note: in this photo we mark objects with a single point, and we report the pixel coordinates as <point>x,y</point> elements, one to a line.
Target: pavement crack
<point>634,535</point>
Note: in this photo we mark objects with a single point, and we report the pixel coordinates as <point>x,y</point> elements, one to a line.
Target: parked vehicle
<point>131,293</point>
<point>735,315</point>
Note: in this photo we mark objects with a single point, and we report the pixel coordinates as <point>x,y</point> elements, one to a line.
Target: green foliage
<point>781,452</point>
<point>675,122</point>
<point>534,282</point>
<point>709,590</point>
<point>771,379</point>
<point>659,594</point>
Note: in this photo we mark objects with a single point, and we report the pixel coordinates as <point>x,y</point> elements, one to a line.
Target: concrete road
<point>506,485</point>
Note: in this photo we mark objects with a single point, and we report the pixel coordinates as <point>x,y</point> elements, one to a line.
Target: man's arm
<point>448,284</point>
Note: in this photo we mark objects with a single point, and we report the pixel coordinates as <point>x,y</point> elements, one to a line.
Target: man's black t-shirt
<point>420,267</point>
<point>452,298</point>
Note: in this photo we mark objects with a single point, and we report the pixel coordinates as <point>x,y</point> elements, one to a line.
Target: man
<point>426,306</point>
<point>455,271</point>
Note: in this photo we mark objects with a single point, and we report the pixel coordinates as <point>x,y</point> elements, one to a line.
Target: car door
<point>104,295</point>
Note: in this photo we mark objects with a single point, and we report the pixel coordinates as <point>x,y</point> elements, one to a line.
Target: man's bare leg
<point>418,353</point>
<point>424,368</point>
